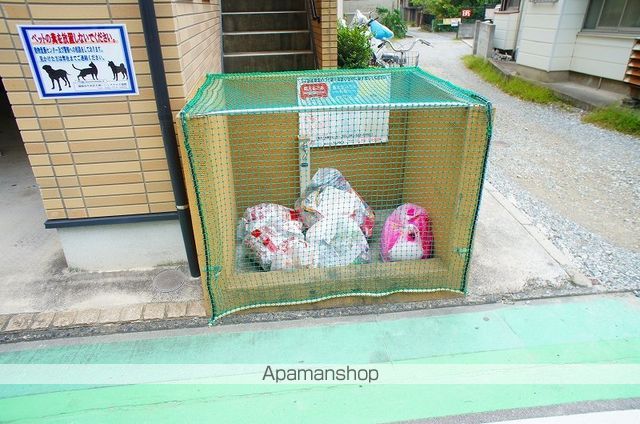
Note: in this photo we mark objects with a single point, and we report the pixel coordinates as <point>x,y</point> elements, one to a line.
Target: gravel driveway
<point>580,184</point>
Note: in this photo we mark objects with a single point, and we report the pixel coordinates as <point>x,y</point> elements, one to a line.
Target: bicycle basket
<point>400,60</point>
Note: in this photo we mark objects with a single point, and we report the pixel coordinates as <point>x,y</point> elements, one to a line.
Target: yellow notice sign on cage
<point>350,110</point>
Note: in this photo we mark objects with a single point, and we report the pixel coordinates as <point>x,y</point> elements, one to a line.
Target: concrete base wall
<point>561,76</point>
<point>123,246</point>
<point>600,83</point>
<point>483,39</point>
<point>466,30</point>
<point>540,75</point>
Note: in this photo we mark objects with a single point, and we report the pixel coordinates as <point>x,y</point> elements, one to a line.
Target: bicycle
<point>399,57</point>
<point>380,39</point>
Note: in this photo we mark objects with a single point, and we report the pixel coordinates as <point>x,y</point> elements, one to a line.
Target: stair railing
<point>312,14</point>
<point>314,10</point>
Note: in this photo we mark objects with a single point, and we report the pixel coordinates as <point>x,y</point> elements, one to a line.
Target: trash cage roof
<point>299,91</point>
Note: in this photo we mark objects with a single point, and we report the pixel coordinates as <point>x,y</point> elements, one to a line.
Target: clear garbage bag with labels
<point>274,250</point>
<point>272,237</point>
<point>280,218</point>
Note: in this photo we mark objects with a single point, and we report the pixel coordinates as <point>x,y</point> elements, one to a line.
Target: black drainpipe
<point>156,65</point>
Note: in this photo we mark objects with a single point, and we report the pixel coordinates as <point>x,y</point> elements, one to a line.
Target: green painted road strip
<point>586,330</point>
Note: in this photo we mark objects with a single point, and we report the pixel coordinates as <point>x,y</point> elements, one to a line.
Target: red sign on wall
<point>466,13</point>
<point>314,90</point>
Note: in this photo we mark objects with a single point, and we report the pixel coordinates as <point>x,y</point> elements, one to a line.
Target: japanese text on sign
<point>343,128</point>
<point>79,60</point>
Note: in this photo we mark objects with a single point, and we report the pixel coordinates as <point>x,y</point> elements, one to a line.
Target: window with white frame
<point>613,15</point>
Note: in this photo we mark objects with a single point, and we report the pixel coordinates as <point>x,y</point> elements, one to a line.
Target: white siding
<point>570,24</point>
<point>550,39</point>
<point>604,56</point>
<point>548,33</point>
<point>506,30</point>
<point>538,29</point>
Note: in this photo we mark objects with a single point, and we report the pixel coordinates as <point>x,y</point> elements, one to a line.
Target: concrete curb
<point>512,74</point>
<point>129,318</point>
<point>562,95</point>
<point>390,308</point>
<point>138,325</point>
<point>577,277</point>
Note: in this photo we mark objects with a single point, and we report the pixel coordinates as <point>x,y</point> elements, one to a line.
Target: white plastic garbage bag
<point>339,241</point>
<point>329,195</point>
<point>272,236</point>
<point>359,19</point>
<point>295,253</point>
<point>274,250</point>
<point>278,217</point>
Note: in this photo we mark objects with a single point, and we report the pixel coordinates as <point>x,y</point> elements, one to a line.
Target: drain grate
<point>169,281</point>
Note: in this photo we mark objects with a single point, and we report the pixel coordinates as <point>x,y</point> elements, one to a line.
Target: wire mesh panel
<point>322,184</point>
<point>391,59</point>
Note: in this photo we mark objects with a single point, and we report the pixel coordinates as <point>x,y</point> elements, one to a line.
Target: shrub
<point>392,19</point>
<point>354,50</point>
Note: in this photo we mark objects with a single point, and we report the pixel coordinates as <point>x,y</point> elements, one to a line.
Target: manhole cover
<point>168,281</point>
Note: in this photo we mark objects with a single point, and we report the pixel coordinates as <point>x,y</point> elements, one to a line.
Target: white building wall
<point>538,32</point>
<point>551,39</point>
<point>569,25</point>
<point>506,31</point>
<point>601,55</point>
<point>116,247</point>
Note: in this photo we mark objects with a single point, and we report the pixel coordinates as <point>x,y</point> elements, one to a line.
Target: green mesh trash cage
<point>325,184</point>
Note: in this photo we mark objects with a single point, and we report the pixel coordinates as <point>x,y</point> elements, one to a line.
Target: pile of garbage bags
<point>330,226</point>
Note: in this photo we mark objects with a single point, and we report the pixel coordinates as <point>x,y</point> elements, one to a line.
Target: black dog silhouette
<point>91,70</point>
<point>56,75</point>
<point>118,70</point>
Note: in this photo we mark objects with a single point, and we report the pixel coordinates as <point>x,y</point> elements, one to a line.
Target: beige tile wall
<point>324,34</point>
<point>104,156</point>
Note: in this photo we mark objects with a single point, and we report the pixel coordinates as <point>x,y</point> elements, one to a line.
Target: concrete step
<point>264,21</point>
<point>261,6</point>
<point>254,41</point>
<point>271,61</point>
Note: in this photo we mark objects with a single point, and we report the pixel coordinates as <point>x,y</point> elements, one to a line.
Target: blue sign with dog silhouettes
<point>79,60</point>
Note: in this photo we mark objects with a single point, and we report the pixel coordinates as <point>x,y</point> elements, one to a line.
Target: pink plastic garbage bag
<point>407,235</point>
